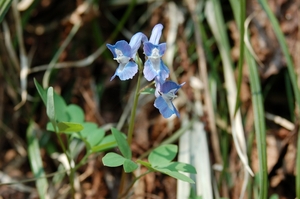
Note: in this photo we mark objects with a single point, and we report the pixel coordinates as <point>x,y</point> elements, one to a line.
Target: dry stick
<point>10,49</point>
<point>203,74</point>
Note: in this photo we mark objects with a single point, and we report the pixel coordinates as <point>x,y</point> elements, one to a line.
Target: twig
<point>280,121</point>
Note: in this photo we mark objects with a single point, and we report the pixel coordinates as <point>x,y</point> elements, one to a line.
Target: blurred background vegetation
<point>239,59</point>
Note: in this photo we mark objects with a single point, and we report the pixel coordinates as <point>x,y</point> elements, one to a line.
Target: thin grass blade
<point>4,6</point>
<point>292,73</point>
<point>35,160</point>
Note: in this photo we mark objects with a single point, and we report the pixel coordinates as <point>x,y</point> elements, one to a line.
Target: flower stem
<point>134,107</point>
<point>131,122</point>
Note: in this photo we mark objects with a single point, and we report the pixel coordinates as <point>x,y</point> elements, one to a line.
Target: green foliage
<point>35,160</point>
<point>122,143</point>
<point>69,119</point>
<point>113,159</point>
<point>69,127</point>
<point>163,155</point>
<point>161,160</point>
<point>129,166</point>
<point>4,6</point>
<point>108,142</point>
<point>50,109</point>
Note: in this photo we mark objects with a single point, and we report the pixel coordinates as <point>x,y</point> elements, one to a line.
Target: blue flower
<point>167,93</point>
<point>156,34</point>
<point>124,54</point>
<point>154,66</point>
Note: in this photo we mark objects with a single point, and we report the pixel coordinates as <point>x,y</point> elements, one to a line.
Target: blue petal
<point>170,85</point>
<point>135,42</point>
<point>165,109</point>
<point>112,49</point>
<point>164,71</point>
<point>149,72</point>
<point>128,72</point>
<point>158,83</point>
<point>162,48</point>
<point>148,47</point>
<point>156,34</point>
<point>124,47</point>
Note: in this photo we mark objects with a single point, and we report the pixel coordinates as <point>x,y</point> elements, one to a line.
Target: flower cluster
<point>154,67</point>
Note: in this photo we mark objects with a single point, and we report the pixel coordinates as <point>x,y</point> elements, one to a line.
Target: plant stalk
<point>132,120</point>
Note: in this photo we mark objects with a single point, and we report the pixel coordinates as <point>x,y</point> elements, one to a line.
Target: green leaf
<point>129,166</point>
<point>4,6</point>
<point>122,143</point>
<point>60,108</point>
<point>179,166</point>
<point>163,155</point>
<point>175,174</point>
<point>69,127</point>
<point>35,160</point>
<point>50,109</point>
<point>108,142</point>
<point>59,102</point>
<point>88,127</point>
<point>49,127</point>
<point>75,113</point>
<point>104,147</point>
<point>112,159</point>
<point>41,91</point>
<point>148,91</point>
<point>95,137</point>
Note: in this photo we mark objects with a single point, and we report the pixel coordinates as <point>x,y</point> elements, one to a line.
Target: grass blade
<point>4,6</point>
<point>36,160</point>
<point>292,74</point>
<point>257,101</point>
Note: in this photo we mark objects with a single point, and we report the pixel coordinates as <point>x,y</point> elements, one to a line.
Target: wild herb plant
<point>69,119</point>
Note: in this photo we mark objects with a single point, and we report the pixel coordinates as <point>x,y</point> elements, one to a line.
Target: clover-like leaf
<point>95,136</point>
<point>129,166</point>
<point>163,155</point>
<point>122,143</point>
<point>87,128</point>
<point>179,166</point>
<point>108,142</point>
<point>175,174</point>
<point>60,108</point>
<point>112,159</point>
<point>75,113</point>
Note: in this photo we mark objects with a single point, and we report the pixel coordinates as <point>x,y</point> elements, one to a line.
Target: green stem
<point>134,107</point>
<point>132,119</point>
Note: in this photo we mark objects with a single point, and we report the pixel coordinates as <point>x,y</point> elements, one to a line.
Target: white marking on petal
<point>121,59</point>
<point>169,97</point>
<point>155,59</point>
